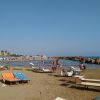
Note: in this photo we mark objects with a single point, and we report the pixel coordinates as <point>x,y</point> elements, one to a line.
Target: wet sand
<point>47,86</point>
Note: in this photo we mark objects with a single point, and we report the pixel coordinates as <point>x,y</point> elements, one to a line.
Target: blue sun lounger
<point>21,76</point>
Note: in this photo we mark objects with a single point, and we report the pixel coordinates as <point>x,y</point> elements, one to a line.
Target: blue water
<point>24,63</point>
<point>68,63</point>
<point>64,63</point>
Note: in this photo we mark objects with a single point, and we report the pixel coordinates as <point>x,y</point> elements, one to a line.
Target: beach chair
<point>41,69</point>
<point>76,70</point>
<point>21,76</point>
<point>35,68</point>
<point>46,70</point>
<point>88,82</point>
<point>70,74</point>
<point>8,77</point>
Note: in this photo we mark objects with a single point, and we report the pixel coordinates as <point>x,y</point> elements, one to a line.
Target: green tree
<point>2,52</point>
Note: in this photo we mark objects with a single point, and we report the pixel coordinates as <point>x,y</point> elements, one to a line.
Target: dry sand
<point>46,86</point>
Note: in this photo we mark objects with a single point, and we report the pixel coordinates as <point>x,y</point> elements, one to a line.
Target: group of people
<point>56,67</point>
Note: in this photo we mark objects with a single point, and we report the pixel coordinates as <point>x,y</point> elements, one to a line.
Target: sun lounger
<point>34,68</point>
<point>41,70</point>
<point>9,77</point>
<point>88,82</point>
<point>70,73</point>
<point>76,70</point>
<point>31,64</point>
<point>46,70</point>
<point>21,76</point>
<point>64,73</point>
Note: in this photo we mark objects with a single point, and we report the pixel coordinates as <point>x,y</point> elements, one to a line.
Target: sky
<point>50,27</point>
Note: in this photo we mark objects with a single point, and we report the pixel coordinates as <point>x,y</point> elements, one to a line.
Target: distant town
<point>7,56</point>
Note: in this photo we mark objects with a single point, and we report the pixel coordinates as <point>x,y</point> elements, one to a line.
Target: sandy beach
<point>47,86</point>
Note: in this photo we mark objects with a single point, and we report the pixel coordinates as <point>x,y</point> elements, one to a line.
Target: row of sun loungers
<point>42,70</point>
<point>8,77</point>
<point>87,82</point>
<point>73,71</point>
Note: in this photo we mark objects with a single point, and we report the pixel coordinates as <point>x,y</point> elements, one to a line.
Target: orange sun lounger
<point>9,77</point>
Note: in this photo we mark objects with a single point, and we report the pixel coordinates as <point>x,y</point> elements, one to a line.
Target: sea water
<point>63,63</point>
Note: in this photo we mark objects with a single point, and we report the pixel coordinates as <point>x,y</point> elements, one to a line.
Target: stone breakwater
<point>78,58</point>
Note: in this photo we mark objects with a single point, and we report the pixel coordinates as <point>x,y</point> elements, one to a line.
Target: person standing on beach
<point>57,66</point>
<point>53,66</point>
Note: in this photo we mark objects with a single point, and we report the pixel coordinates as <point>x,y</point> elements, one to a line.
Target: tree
<point>2,52</point>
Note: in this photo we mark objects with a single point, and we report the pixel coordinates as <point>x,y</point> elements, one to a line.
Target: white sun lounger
<point>88,82</point>
<point>46,70</point>
<point>70,73</point>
